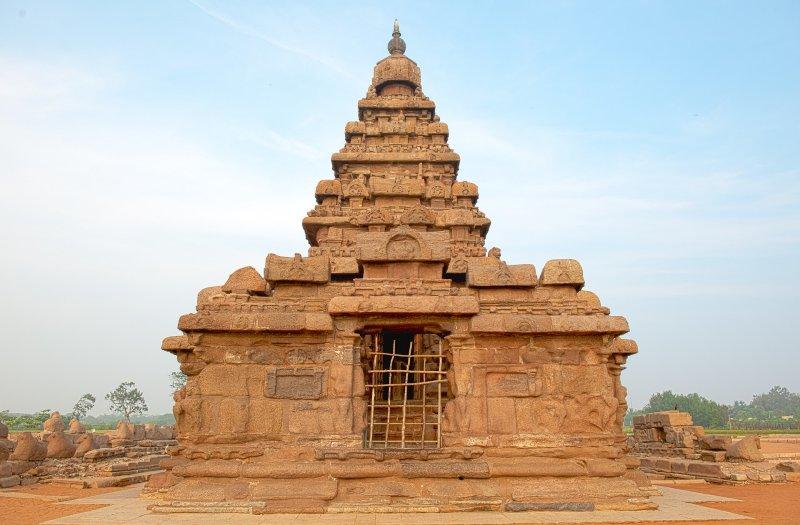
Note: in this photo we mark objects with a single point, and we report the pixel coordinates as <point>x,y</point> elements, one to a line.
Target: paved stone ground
<point>127,507</point>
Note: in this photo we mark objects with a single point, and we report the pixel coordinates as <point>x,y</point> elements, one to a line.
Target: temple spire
<point>396,45</point>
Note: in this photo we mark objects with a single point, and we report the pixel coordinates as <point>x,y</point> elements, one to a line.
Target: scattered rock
<point>746,449</point>
<point>715,442</point>
<point>788,466</point>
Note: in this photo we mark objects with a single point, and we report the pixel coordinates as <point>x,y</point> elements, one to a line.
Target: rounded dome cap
<point>396,68</point>
<point>397,46</point>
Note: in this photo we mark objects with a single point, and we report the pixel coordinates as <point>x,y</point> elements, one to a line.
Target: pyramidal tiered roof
<point>395,169</point>
<point>400,356</point>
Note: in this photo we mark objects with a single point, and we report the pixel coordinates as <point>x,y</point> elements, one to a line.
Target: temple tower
<point>399,366</point>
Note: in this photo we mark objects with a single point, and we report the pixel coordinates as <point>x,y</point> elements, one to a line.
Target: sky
<point>149,149</point>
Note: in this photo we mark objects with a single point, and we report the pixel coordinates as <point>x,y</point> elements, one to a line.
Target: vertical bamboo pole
<point>439,399</point>
<point>389,395</point>
<point>405,395</point>
<point>372,383</point>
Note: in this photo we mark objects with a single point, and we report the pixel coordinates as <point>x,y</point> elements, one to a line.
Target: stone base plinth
<point>367,486</point>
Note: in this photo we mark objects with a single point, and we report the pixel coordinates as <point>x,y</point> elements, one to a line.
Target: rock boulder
<point>746,449</point>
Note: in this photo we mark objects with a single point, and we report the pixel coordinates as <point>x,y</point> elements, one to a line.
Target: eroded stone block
<point>296,383</point>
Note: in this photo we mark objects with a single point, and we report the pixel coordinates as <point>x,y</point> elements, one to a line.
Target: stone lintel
<point>549,324</point>
<point>256,322</point>
<point>404,304</point>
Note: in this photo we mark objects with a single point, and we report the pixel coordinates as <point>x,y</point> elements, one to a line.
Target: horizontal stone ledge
<point>395,103</point>
<point>549,324</point>
<point>470,469</point>
<point>398,156</point>
<point>176,343</point>
<point>551,467</point>
<point>350,470</point>
<point>409,469</point>
<point>404,305</point>
<point>256,322</point>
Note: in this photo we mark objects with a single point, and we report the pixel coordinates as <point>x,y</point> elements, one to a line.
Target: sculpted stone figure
<point>83,444</point>
<point>55,423</point>
<point>60,446</point>
<point>76,427</point>
<point>398,365</point>
<point>28,448</point>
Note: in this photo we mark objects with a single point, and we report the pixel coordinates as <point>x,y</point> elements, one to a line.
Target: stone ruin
<point>127,455</point>
<point>668,443</point>
<point>398,367</point>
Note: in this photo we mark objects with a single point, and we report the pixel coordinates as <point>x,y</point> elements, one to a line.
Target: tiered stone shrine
<point>398,366</point>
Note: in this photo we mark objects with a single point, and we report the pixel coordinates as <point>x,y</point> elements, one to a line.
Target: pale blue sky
<point>149,149</point>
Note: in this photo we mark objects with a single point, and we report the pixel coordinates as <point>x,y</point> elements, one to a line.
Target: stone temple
<point>399,366</point>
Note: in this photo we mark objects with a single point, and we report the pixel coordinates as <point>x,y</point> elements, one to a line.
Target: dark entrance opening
<point>406,389</point>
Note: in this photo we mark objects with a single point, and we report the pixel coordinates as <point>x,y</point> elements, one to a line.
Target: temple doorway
<point>406,389</point>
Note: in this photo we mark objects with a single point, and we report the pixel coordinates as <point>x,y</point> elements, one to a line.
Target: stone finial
<point>397,45</point>
<point>562,272</point>
<point>245,280</point>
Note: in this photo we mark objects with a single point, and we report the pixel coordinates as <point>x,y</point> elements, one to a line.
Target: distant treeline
<point>777,409</point>
<point>33,422</point>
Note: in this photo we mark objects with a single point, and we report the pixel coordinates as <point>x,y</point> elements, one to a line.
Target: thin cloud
<point>253,33</point>
<point>277,142</point>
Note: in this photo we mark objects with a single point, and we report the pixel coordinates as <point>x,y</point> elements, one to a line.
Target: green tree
<point>177,380</point>
<point>704,411</point>
<point>29,421</point>
<point>127,400</point>
<point>778,401</point>
<point>83,406</point>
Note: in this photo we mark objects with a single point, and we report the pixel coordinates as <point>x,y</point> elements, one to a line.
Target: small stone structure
<point>668,433</point>
<point>669,444</point>
<point>399,366</point>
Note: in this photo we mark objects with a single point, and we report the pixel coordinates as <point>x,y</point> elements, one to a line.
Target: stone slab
<point>126,507</point>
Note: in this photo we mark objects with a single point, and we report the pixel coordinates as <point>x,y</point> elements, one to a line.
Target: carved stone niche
<point>403,244</point>
<point>296,383</point>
